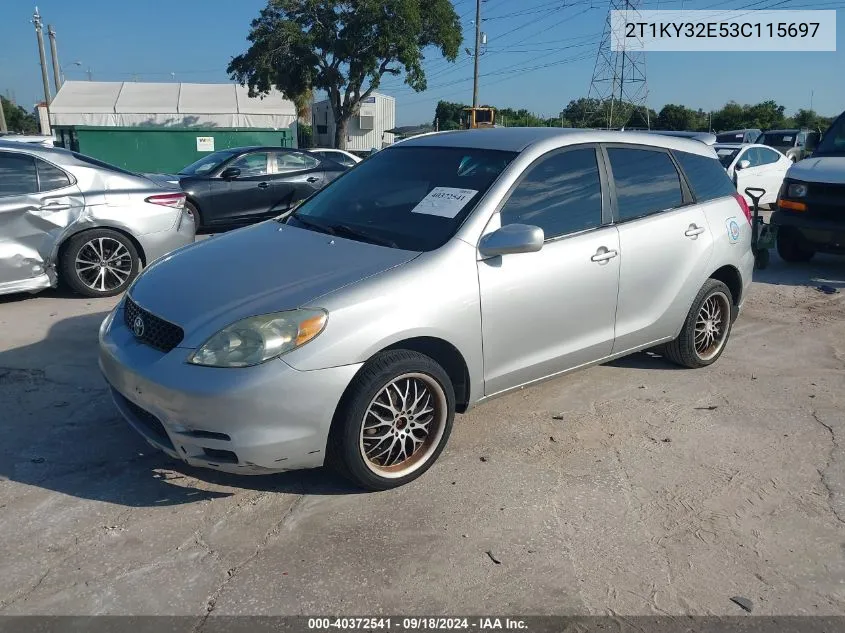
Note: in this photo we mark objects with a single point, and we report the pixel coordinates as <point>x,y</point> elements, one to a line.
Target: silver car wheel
<point>711,325</point>
<point>103,264</point>
<point>403,425</point>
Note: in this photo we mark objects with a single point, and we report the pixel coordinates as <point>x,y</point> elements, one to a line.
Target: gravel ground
<point>631,488</point>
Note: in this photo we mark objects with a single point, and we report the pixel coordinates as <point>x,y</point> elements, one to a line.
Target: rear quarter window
<point>706,176</point>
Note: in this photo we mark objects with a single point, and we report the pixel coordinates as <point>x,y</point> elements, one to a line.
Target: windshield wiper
<point>349,231</point>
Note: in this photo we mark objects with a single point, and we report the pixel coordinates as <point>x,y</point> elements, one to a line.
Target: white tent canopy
<point>132,104</point>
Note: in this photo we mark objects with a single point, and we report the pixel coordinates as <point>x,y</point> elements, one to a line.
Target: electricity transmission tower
<point>619,84</point>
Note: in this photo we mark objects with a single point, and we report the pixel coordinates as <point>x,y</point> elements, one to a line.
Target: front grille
<point>150,422</point>
<point>155,331</point>
<point>826,201</point>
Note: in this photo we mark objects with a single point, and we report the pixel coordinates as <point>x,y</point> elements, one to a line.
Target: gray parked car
<point>441,272</point>
<point>69,217</point>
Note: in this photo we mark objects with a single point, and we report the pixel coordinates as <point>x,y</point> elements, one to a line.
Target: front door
<point>665,245</point>
<point>552,310</point>
<point>764,172</point>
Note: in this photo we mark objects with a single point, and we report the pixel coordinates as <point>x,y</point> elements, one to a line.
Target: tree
<point>448,115</point>
<point>676,117</point>
<point>18,119</point>
<point>344,47</point>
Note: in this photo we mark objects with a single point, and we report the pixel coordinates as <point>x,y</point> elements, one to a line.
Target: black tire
<point>192,210</point>
<point>683,351</point>
<point>126,263</point>
<point>790,247</point>
<point>346,444</point>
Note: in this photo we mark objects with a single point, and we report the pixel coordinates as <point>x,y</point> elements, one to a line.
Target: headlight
<point>257,339</point>
<point>796,190</point>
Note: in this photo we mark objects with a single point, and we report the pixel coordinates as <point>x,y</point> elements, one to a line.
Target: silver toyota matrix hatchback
<point>443,271</point>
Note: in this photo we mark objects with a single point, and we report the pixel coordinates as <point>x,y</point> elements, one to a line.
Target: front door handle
<point>312,179</point>
<point>603,255</point>
<point>694,231</point>
<point>263,185</point>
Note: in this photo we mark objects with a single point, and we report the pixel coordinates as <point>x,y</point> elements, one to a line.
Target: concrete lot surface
<point>632,488</point>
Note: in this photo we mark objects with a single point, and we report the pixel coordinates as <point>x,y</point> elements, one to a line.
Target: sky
<point>540,54</point>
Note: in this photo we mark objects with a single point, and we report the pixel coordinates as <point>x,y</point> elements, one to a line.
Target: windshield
<point>206,164</point>
<point>778,139</point>
<point>412,198</point>
<point>833,141</point>
<point>730,137</point>
<point>726,155</point>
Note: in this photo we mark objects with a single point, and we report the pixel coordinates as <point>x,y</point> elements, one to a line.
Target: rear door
<point>665,244</point>
<point>37,201</point>
<point>298,176</point>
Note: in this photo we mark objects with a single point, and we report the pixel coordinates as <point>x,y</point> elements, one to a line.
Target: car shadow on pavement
<point>60,431</point>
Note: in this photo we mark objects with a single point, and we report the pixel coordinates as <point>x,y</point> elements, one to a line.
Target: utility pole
<point>57,73</point>
<point>811,100</point>
<point>477,51</point>
<point>3,127</point>
<point>36,20</point>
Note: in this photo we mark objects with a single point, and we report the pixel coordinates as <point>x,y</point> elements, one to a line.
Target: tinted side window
<point>646,182</point>
<point>251,165</point>
<point>51,177</point>
<point>706,176</point>
<point>561,194</point>
<point>17,174</point>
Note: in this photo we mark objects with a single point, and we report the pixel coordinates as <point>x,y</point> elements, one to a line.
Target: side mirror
<point>744,164</point>
<point>813,139</point>
<point>230,173</point>
<point>512,239</point>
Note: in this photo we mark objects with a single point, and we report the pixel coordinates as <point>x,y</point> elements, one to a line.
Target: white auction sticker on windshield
<point>445,202</point>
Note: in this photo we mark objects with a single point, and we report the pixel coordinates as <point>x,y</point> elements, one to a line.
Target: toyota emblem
<point>138,327</point>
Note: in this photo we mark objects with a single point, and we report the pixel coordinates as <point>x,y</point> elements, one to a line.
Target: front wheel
<point>99,263</point>
<point>706,329</point>
<point>393,421</point>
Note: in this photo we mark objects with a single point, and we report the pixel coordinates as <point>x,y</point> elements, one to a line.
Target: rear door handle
<point>312,179</point>
<point>603,255</point>
<point>263,185</point>
<point>694,231</point>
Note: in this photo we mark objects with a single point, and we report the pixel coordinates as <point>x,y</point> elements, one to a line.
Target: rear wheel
<point>99,263</point>
<point>706,329</point>
<point>393,421</point>
<point>791,247</point>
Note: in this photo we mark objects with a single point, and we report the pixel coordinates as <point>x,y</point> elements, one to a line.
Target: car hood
<point>827,169</point>
<point>268,267</point>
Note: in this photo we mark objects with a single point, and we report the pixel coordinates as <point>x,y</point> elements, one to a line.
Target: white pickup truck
<point>810,215</point>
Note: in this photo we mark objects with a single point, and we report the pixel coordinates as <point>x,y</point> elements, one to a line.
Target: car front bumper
<point>251,420</point>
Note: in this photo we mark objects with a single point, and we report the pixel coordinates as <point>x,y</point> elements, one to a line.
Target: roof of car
<point>517,139</point>
<point>788,130</point>
<point>33,148</point>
